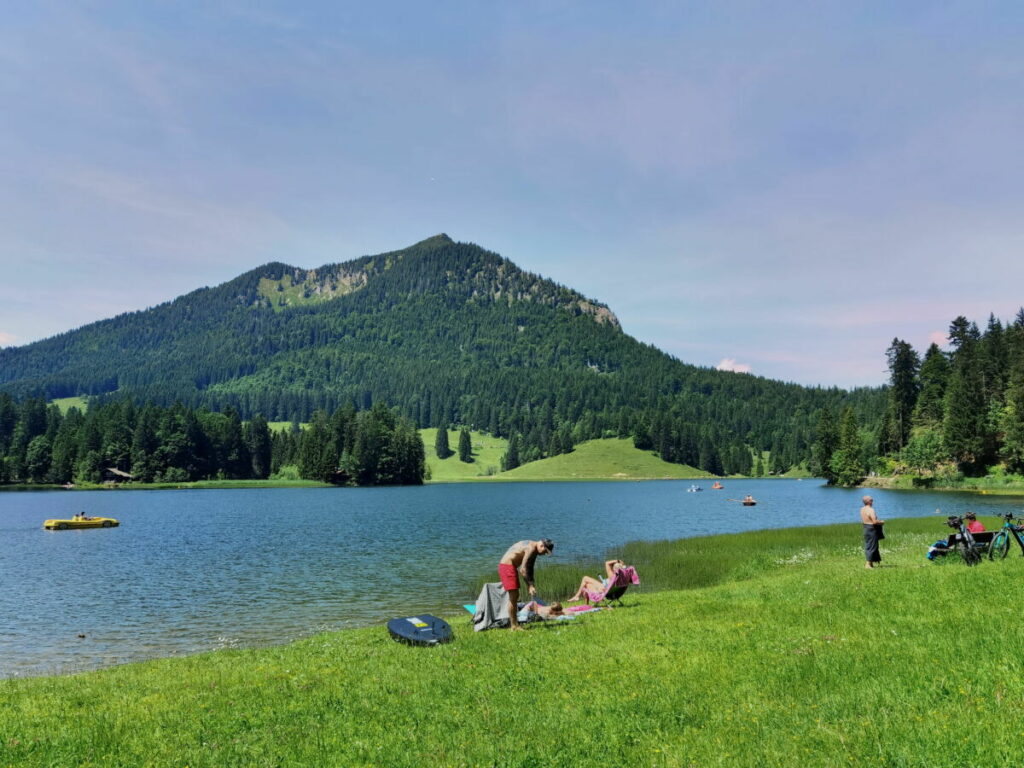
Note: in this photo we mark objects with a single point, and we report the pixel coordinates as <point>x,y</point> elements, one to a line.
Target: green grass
<point>487,453</point>
<point>283,426</point>
<point>66,403</point>
<point>763,649</point>
<point>609,459</point>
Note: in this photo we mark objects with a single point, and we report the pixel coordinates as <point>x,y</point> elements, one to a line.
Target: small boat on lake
<point>694,489</point>
<point>717,486</point>
<point>81,522</point>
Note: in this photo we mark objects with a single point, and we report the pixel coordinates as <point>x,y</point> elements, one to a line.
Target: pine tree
<point>846,463</point>
<point>934,375</point>
<point>465,446</point>
<point>993,360</point>
<point>257,439</point>
<point>1013,426</point>
<point>37,458</point>
<point>904,365</point>
<point>441,448</point>
<point>963,423</point>
<point>144,445</point>
<point>65,448</point>
<point>825,445</point>
<point>317,457</point>
<point>510,460</point>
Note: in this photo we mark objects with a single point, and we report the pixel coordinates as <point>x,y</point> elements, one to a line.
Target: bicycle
<point>1000,546</point>
<point>963,541</point>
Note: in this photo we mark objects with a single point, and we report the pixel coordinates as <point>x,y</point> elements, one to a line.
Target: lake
<point>196,570</point>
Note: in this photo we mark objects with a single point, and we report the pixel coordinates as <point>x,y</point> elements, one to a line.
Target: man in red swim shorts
<point>520,558</point>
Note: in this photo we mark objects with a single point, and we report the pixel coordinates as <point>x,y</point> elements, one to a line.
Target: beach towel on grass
<point>491,609</point>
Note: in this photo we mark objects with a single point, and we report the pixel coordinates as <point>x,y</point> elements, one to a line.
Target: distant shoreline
<point>981,486</point>
<point>242,484</point>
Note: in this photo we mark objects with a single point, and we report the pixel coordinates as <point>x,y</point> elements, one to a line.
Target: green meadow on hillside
<point>487,453</point>
<point>771,648</point>
<point>66,403</point>
<point>608,459</point>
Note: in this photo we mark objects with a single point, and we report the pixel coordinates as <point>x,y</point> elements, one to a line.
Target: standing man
<point>872,532</point>
<point>519,560</point>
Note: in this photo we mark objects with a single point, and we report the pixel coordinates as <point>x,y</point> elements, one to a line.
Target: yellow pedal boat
<point>84,522</point>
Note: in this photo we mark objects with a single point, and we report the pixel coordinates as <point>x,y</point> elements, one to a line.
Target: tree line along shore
<point>952,419</point>
<point>120,444</point>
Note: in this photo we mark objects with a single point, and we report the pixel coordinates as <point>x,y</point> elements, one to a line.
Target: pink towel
<point>581,608</point>
<point>629,572</point>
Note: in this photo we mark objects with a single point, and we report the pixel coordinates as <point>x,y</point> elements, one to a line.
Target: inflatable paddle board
<point>420,630</point>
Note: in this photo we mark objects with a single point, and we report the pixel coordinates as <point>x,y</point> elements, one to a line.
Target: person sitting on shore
<point>590,587</point>
<point>972,523</point>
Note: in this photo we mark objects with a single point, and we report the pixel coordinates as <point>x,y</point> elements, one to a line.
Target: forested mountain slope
<point>447,332</point>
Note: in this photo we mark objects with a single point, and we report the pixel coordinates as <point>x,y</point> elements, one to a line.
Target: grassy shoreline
<point>771,648</point>
<point>995,486</point>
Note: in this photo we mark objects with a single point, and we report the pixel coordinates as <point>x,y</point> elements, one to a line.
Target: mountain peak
<point>436,240</point>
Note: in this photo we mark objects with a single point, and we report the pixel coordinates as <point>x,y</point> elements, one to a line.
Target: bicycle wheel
<point>1000,546</point>
<point>968,554</point>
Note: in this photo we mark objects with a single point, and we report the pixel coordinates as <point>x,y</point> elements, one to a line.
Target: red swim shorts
<point>509,576</point>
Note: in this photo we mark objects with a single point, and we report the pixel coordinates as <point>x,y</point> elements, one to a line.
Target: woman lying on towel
<point>593,590</point>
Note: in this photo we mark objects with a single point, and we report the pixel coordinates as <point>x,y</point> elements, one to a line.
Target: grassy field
<point>610,459</point>
<point>283,426</point>
<point>487,453</point>
<point>65,403</point>
<point>761,649</point>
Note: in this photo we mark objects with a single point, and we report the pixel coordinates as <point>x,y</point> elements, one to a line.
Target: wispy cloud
<point>730,364</point>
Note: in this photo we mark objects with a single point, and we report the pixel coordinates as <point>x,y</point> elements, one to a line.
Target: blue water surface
<point>195,570</point>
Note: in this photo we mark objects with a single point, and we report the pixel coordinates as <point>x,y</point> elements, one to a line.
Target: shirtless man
<point>870,520</point>
<point>519,559</point>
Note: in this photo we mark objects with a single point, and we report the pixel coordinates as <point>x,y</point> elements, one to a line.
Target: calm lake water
<point>195,570</point>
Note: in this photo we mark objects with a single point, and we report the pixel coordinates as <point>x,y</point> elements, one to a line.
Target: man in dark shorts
<point>519,559</point>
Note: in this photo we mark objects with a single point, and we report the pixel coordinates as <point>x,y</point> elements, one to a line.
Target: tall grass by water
<point>709,560</point>
<point>762,649</point>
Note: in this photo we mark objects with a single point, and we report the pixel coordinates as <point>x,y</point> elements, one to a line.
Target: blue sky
<point>786,186</point>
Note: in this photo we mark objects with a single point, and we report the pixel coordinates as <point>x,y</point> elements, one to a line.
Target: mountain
<point>449,333</point>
